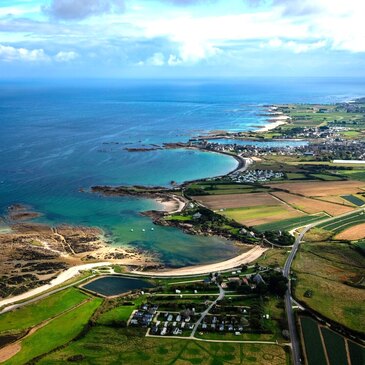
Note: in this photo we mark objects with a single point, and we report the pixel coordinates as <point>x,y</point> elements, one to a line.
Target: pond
<point>114,285</point>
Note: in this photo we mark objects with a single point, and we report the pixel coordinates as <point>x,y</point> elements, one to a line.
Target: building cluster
<point>254,176</point>
<point>251,281</point>
<point>168,323</point>
<point>143,316</point>
<point>225,323</point>
<point>329,143</point>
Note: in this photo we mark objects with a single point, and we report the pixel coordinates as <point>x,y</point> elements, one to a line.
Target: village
<point>327,145</point>
<point>238,308</point>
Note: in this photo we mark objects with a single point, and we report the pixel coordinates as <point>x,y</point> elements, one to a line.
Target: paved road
<point>288,297</point>
<point>288,300</point>
<point>220,297</point>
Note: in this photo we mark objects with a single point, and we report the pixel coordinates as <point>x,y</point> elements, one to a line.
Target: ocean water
<point>59,137</point>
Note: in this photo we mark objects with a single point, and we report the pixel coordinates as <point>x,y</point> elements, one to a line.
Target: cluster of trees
<point>194,191</point>
<point>282,238</point>
<point>273,283</point>
<point>220,225</point>
<point>256,317</point>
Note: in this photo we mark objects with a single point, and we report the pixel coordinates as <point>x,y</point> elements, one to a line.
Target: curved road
<point>288,297</point>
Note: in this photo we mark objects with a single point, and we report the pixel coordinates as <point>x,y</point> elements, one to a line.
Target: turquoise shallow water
<point>58,137</point>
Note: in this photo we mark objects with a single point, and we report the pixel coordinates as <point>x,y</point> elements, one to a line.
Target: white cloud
<point>65,56</point>
<point>174,60</point>
<point>157,59</point>
<point>308,24</point>
<point>296,47</point>
<point>9,54</point>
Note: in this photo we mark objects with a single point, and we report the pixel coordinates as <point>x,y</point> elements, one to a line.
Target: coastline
<point>170,203</point>
<point>232,263</point>
<point>274,123</point>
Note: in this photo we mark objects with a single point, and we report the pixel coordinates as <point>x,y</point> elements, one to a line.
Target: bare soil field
<point>237,200</point>
<point>312,206</point>
<point>352,233</point>
<point>321,188</point>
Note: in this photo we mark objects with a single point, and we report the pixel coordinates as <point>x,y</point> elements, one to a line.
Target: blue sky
<point>181,38</point>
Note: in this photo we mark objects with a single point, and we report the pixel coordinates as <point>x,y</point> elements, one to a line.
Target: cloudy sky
<point>181,38</point>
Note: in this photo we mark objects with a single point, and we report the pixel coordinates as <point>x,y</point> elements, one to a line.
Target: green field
<point>106,345</point>
<point>326,177</point>
<point>116,315</point>
<point>357,353</point>
<point>56,333</point>
<point>335,345</point>
<point>312,340</point>
<point>274,257</point>
<point>288,224</point>
<point>221,188</point>
<point>354,200</point>
<point>41,310</point>
<point>340,224</point>
<point>296,176</point>
<point>354,174</point>
<point>331,272</point>
<point>180,218</point>
<point>260,211</point>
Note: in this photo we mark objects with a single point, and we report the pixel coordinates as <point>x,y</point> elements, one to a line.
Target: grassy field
<point>355,174</point>
<point>39,311</point>
<point>223,188</point>
<point>288,224</point>
<point>56,333</point>
<point>261,214</point>
<point>326,177</point>
<point>116,315</point>
<point>273,258</point>
<point>331,271</point>
<point>105,345</point>
<point>342,223</point>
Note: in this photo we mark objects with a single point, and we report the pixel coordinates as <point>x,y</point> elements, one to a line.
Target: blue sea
<point>57,137</point>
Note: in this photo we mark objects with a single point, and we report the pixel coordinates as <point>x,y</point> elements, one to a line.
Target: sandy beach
<point>70,273</point>
<point>174,205</point>
<point>237,261</point>
<point>274,122</point>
